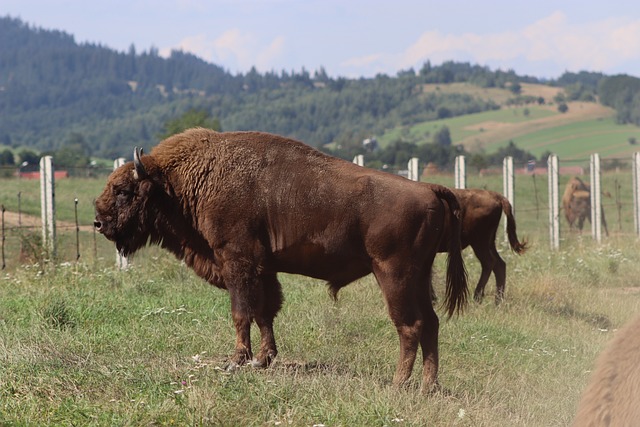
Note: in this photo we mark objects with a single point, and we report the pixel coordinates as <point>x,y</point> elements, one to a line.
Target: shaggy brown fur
<point>481,214</point>
<point>612,397</point>
<point>239,207</point>
<point>576,202</point>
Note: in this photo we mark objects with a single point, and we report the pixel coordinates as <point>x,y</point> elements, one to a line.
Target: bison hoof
<point>231,366</point>
<point>255,363</point>
<point>263,361</point>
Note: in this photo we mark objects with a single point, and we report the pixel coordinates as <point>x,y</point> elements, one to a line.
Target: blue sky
<point>359,38</point>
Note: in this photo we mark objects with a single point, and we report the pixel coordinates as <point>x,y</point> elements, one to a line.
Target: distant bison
<point>481,214</point>
<point>239,207</point>
<point>612,397</point>
<point>576,202</point>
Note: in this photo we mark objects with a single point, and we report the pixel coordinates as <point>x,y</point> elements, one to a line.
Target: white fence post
<point>121,261</point>
<point>508,183</point>
<point>413,167</point>
<point>460,174</point>
<point>48,206</point>
<point>554,219</point>
<point>359,160</point>
<point>596,211</point>
<point>636,192</point>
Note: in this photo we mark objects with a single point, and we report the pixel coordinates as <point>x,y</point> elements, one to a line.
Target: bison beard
<point>239,207</point>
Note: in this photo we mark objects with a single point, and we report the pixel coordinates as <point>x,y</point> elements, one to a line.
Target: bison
<point>612,397</point>
<point>239,207</point>
<point>576,202</point>
<point>481,213</point>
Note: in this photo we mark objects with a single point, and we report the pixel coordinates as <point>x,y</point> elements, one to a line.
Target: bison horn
<point>140,172</point>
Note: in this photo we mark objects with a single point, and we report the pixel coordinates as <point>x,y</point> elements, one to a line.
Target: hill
<point>585,128</point>
<point>56,94</point>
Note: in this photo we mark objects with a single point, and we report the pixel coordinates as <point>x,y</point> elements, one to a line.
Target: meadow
<point>586,127</point>
<point>82,343</point>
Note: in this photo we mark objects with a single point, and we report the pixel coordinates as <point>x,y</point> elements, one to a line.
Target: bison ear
<point>139,172</point>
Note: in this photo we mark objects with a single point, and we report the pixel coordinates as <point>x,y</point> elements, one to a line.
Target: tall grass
<point>90,345</point>
<point>84,344</point>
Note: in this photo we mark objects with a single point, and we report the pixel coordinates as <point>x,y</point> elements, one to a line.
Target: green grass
<point>95,346</point>
<point>585,129</point>
<point>86,190</point>
<point>85,344</point>
<point>464,126</point>
<point>579,140</point>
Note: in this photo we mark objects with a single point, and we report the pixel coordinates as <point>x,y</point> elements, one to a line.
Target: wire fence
<point>76,190</point>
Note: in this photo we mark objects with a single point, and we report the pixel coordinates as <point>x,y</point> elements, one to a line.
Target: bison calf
<point>612,397</point>
<point>239,207</point>
<point>481,214</point>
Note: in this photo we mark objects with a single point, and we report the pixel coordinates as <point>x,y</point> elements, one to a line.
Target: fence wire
<point>77,240</point>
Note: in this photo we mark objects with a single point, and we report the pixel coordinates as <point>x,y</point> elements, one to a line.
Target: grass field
<point>95,346</point>
<point>85,344</point>
<point>584,129</point>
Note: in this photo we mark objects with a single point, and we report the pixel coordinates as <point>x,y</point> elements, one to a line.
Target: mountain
<point>55,92</point>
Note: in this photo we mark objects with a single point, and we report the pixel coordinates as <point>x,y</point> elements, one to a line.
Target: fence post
<point>359,160</point>
<point>554,220</point>
<point>460,174</point>
<point>4,264</point>
<point>121,261</point>
<point>596,211</point>
<point>47,206</point>
<point>636,191</point>
<point>413,167</point>
<point>508,187</point>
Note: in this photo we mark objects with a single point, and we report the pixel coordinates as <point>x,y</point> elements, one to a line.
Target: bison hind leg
<point>487,261</point>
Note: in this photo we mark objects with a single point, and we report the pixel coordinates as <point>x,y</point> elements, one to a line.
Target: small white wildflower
<point>461,413</point>
<point>397,420</point>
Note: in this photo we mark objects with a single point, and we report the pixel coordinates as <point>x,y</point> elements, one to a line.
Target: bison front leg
<point>271,304</point>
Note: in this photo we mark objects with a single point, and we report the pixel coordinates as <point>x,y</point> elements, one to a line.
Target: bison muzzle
<point>240,207</point>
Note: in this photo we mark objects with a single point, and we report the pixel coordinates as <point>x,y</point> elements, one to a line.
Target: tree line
<point>56,94</point>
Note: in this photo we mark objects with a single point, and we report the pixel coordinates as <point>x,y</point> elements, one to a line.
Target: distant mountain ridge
<point>53,89</point>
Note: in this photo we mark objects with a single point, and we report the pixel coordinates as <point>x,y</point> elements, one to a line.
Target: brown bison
<point>239,207</point>
<point>612,397</point>
<point>481,213</point>
<point>576,202</point>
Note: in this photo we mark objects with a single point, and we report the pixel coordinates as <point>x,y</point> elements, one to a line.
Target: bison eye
<point>124,193</point>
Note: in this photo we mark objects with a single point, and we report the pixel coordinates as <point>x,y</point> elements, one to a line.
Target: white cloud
<point>234,49</point>
<point>267,57</point>
<point>552,43</point>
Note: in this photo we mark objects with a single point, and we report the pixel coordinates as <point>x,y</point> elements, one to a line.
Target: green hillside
<point>87,101</point>
<point>585,128</point>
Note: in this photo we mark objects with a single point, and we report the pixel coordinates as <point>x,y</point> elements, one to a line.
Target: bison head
<point>126,210</point>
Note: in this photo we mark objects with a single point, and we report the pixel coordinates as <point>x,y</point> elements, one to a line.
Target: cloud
<point>234,49</point>
<point>550,45</point>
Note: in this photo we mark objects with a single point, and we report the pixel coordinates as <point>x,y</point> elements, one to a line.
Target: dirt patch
<point>12,219</point>
<point>547,92</point>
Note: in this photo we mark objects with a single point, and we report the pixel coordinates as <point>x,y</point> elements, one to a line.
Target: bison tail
<point>516,246</point>
<point>457,289</point>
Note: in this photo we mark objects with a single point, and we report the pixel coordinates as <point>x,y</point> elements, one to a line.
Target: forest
<point>56,94</point>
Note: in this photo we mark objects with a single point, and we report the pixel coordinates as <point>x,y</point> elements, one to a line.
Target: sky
<point>359,38</point>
